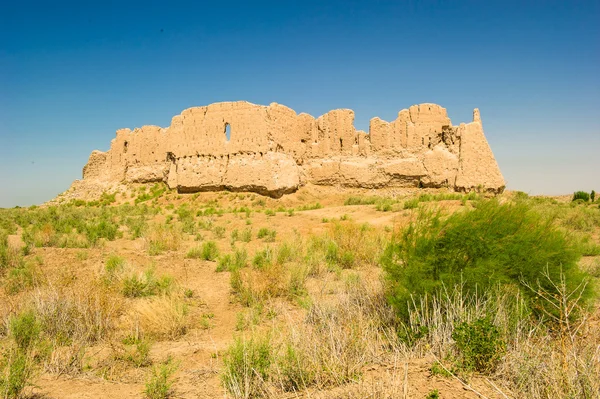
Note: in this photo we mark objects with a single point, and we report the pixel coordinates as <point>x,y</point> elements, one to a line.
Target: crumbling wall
<point>272,150</point>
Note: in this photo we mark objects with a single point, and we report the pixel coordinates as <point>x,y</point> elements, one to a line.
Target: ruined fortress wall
<point>272,150</point>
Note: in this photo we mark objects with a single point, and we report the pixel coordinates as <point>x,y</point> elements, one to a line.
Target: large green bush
<point>582,195</point>
<point>494,244</point>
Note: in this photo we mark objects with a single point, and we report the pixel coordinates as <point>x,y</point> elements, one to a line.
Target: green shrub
<point>103,229</point>
<point>234,236</point>
<point>137,226</point>
<point>231,262</point>
<point>582,195</point>
<point>411,204</point>
<point>23,276</point>
<point>246,366</point>
<point>114,263</point>
<point>24,329</point>
<point>159,384</point>
<point>434,394</point>
<point>210,251</point>
<point>360,200</point>
<point>310,207</point>
<point>155,191</point>
<point>480,345</point>
<point>296,373</point>
<point>136,352</point>
<point>285,253</point>
<point>16,370</point>
<point>384,204</point>
<point>490,245</point>
<point>194,253</point>
<point>263,258</point>
<point>246,235</point>
<point>593,196</point>
<point>438,370</point>
<point>146,284</point>
<point>268,234</point>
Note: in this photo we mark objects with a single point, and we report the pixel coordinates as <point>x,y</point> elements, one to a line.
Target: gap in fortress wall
<point>271,150</point>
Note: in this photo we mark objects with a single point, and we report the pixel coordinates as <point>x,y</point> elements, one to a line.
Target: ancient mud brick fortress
<point>273,151</point>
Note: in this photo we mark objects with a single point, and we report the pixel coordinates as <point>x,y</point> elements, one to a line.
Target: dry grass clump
<point>328,348</point>
<point>70,321</point>
<point>88,314</point>
<point>162,237</point>
<point>161,318</point>
<point>530,359</point>
<point>273,280</point>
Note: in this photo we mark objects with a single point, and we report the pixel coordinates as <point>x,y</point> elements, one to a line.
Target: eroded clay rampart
<point>272,150</point>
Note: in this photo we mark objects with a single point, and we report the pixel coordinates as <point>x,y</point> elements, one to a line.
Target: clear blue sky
<point>71,73</point>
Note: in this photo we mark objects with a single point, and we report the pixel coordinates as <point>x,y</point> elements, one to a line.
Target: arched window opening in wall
<point>227,131</point>
<point>125,147</point>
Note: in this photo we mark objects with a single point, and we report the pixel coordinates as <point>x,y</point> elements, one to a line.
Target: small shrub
<point>24,329</point>
<point>136,352</point>
<point>210,251</point>
<point>205,223</point>
<point>360,201</point>
<point>285,253</point>
<point>231,262</point>
<point>269,212</point>
<point>246,235</point>
<point>21,277</point>
<point>480,345</point>
<point>194,253</point>
<point>114,264</point>
<point>267,234</point>
<point>411,204</point>
<point>297,279</point>
<point>437,369</point>
<point>219,231</point>
<point>159,384</point>
<point>263,258</point>
<point>435,394</point>
<point>137,226</point>
<point>235,236</point>
<point>247,366</point>
<point>310,207</point>
<point>296,373</point>
<point>593,196</point>
<point>16,370</point>
<point>384,205</point>
<point>146,284</point>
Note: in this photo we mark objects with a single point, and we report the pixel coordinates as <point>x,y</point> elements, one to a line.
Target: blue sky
<point>71,73</point>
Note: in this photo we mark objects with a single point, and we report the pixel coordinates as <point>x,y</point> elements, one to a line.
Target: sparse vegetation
<point>480,289</point>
